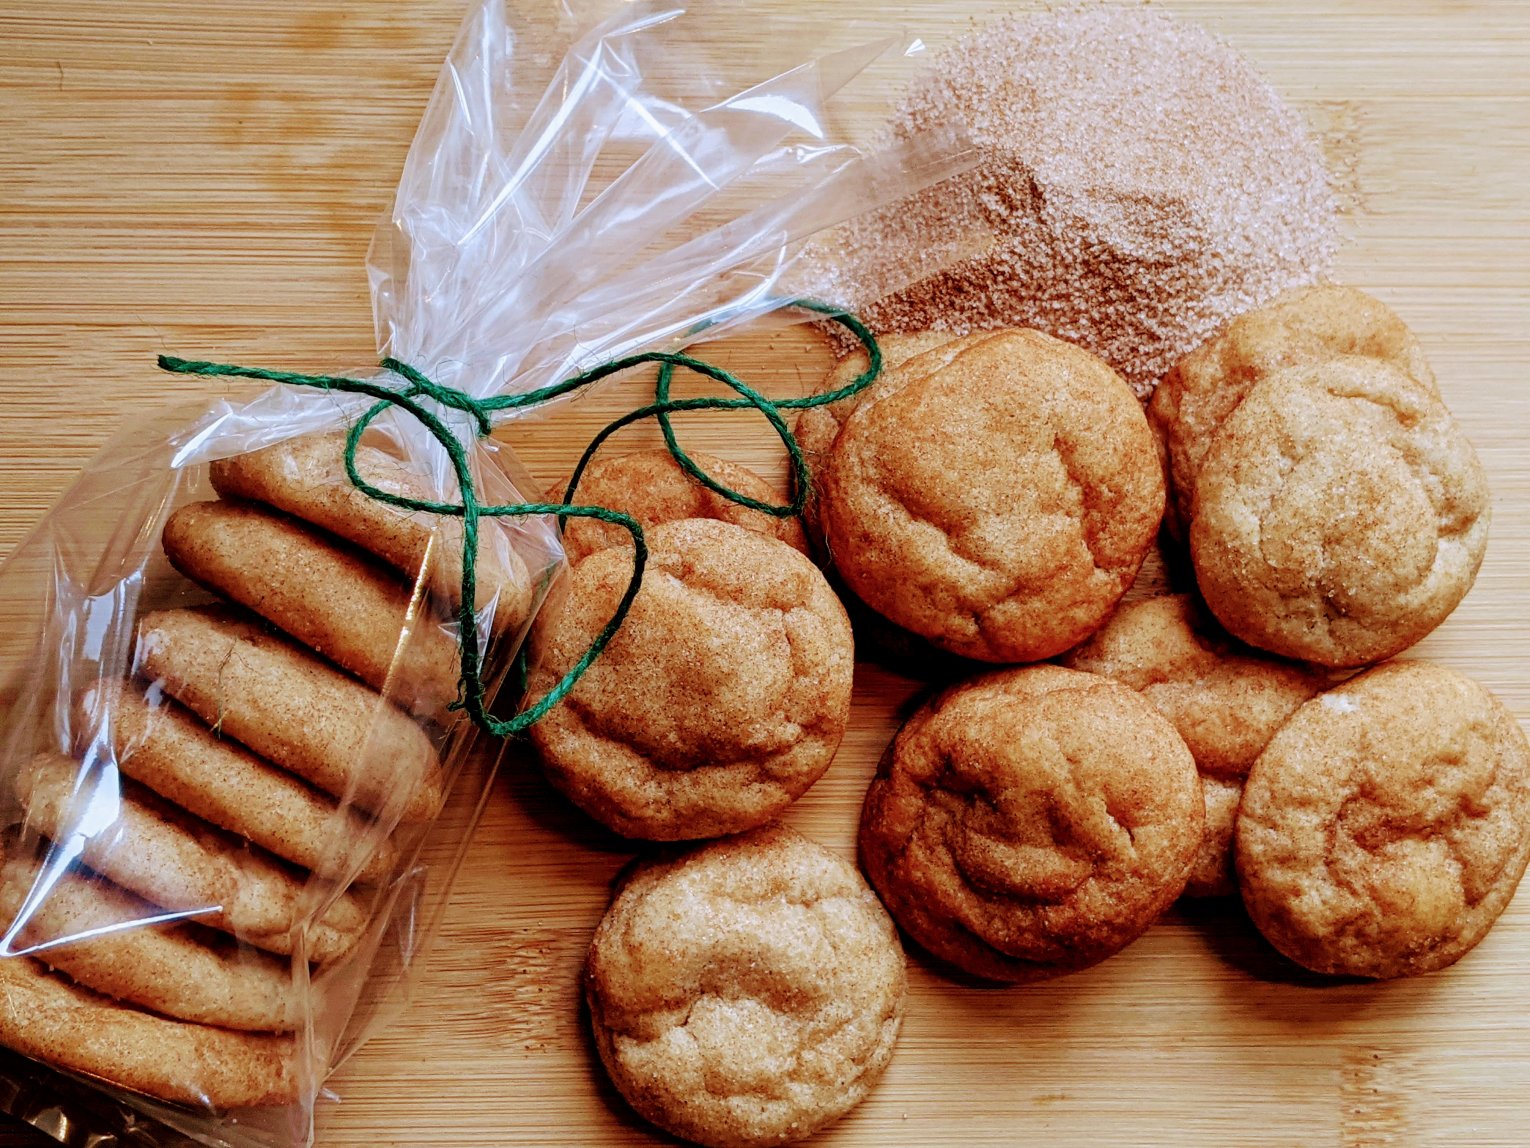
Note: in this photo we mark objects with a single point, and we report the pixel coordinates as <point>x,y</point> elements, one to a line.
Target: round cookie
<point>1387,824</point>
<point>650,486</point>
<point>1225,700</point>
<point>1340,514</point>
<point>998,504</point>
<point>1305,325</point>
<point>1032,822</point>
<point>747,993</point>
<point>720,700</point>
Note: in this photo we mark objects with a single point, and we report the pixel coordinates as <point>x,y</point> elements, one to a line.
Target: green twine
<point>470,688</point>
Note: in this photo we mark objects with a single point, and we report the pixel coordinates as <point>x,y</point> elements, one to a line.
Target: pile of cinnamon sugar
<point>1141,184</point>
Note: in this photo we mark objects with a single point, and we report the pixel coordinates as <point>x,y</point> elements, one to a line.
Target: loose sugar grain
<point>1140,185</point>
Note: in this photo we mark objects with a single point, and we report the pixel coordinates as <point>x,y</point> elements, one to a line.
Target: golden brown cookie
<point>1303,326</point>
<point>747,993</point>
<point>306,477</point>
<point>178,970</point>
<point>1387,824</point>
<point>719,702</point>
<point>1225,699</point>
<point>1032,822</point>
<point>327,596</point>
<point>47,1018</point>
<point>650,486</point>
<point>162,746</point>
<point>1340,514</point>
<point>292,709</point>
<point>999,503</point>
<point>172,859</point>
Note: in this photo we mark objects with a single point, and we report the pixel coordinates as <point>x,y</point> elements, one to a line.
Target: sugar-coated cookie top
<point>1032,821</point>
<point>1388,823</point>
<point>720,700</point>
<point>746,993</point>
<point>995,495</point>
<point>1340,513</point>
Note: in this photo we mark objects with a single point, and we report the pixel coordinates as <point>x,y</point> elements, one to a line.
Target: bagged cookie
<point>244,736</point>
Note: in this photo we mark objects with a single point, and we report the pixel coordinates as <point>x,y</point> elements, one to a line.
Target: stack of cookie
<point>236,809</point>
<point>751,991</point>
<point>992,496</point>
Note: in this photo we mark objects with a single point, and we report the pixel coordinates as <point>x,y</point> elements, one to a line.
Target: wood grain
<point>202,179</point>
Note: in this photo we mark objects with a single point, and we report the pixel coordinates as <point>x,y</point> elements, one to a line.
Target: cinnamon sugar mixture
<point>1141,184</point>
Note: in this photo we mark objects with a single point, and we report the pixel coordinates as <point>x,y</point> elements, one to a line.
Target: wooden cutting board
<point>202,178</point>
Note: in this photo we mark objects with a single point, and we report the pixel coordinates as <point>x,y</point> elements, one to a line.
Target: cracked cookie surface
<point>1032,822</point>
<point>1305,325</point>
<point>720,700</point>
<point>747,993</point>
<point>1388,824</point>
<point>1340,515</point>
<point>1225,699</point>
<point>996,497</point>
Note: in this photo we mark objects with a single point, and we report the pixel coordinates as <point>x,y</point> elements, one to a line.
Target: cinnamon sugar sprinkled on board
<point>1141,185</point>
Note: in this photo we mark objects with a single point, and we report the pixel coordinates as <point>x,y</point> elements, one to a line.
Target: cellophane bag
<point>235,778</point>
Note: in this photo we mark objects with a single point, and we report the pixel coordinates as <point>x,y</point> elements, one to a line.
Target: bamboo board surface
<point>202,179</point>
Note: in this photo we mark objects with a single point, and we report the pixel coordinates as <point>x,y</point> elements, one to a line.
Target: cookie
<point>178,970</point>
<point>306,477</point>
<point>290,708</point>
<point>650,486</point>
<point>51,1020</point>
<point>1387,824</point>
<point>747,993</point>
<point>1302,326</point>
<point>170,858</point>
<point>999,503</point>
<point>328,597</point>
<point>162,746</point>
<point>1032,822</point>
<point>721,699</point>
<point>1225,699</point>
<point>1340,514</point>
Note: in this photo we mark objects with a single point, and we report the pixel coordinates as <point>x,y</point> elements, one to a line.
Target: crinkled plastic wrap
<point>233,785</point>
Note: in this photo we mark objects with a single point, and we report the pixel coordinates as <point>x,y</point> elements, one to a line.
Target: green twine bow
<point>470,688</point>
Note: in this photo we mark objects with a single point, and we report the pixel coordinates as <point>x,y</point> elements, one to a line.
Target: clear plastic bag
<point>234,788</point>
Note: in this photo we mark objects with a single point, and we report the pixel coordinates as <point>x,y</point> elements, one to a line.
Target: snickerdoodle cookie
<point>720,700</point>
<point>1225,699</point>
<point>1340,513</point>
<point>996,499</point>
<point>306,477</point>
<point>747,993</point>
<point>1305,325</point>
<point>329,596</point>
<point>650,486</point>
<point>1032,822</point>
<point>46,1017</point>
<point>1387,824</point>
<point>172,859</point>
